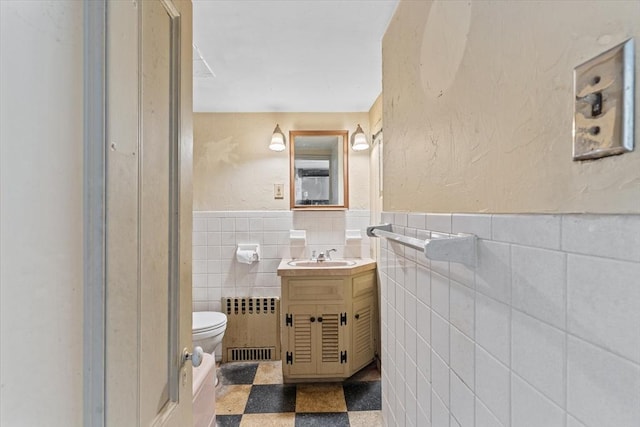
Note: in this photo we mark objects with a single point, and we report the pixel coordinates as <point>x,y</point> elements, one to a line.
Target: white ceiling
<point>288,55</point>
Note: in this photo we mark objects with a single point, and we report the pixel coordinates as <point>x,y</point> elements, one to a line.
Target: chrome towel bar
<point>459,247</point>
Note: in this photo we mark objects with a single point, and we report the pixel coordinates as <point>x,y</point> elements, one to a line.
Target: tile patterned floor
<point>253,394</point>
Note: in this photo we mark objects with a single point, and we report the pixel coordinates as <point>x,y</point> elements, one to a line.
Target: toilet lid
<point>204,320</point>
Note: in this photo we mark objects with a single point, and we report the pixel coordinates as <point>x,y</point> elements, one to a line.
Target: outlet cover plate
<point>604,98</point>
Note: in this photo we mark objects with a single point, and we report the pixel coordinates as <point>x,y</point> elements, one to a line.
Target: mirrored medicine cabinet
<point>319,172</point>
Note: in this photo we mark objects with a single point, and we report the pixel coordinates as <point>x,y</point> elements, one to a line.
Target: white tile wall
<point>544,331</point>
<point>493,327</point>
<point>602,295</point>
<point>462,308</point>
<point>602,388</point>
<point>484,418</point>
<point>492,387</point>
<point>537,283</point>
<point>538,355</point>
<point>462,402</point>
<point>216,273</point>
<point>530,408</point>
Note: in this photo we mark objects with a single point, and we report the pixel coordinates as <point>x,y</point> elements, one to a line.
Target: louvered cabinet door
<point>332,338</point>
<point>300,351</point>
<point>362,339</point>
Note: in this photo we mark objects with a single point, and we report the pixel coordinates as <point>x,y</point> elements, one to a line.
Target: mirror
<point>318,167</point>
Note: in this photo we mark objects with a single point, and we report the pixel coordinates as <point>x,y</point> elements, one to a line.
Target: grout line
<point>431,350</point>
<point>565,373</point>
<point>510,357</point>
<point>449,325</point>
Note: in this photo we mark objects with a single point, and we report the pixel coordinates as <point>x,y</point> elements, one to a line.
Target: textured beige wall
<point>233,168</point>
<point>478,107</point>
<point>375,120</point>
<point>375,115</point>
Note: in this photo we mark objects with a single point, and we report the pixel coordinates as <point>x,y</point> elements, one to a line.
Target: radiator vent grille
<point>249,354</point>
<point>235,306</point>
<point>253,328</point>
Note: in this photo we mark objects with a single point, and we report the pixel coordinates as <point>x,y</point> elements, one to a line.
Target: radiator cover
<point>253,329</point>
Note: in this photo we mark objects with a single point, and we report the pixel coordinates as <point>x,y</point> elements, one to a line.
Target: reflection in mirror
<point>318,169</point>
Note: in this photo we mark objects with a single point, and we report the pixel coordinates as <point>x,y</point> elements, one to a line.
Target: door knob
<point>195,357</point>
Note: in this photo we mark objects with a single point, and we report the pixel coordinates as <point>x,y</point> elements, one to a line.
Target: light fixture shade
<point>278,141</point>
<point>359,140</point>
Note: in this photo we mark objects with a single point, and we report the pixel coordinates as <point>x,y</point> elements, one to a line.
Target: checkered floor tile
<point>253,394</point>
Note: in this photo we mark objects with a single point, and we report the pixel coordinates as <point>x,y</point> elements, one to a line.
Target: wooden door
<point>362,342</point>
<point>299,353</point>
<point>148,213</point>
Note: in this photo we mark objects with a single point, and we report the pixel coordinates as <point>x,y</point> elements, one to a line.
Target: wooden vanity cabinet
<point>328,325</point>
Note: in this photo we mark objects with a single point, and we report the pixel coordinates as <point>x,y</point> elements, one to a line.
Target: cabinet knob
<point>319,319</point>
<point>357,316</point>
<point>312,319</point>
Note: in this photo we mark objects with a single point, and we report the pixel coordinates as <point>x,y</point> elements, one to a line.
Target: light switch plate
<point>278,191</point>
<point>604,98</point>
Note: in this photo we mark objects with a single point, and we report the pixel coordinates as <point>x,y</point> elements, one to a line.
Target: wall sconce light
<point>278,141</point>
<point>359,140</point>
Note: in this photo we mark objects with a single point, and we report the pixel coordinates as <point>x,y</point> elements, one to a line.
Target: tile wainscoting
<point>544,331</point>
<point>216,273</point>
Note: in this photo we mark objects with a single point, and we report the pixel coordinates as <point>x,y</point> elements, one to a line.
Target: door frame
<point>94,212</point>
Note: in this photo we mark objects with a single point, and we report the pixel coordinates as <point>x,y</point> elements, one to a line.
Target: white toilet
<point>208,330</point>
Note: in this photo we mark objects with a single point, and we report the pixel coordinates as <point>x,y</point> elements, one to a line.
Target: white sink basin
<point>319,264</point>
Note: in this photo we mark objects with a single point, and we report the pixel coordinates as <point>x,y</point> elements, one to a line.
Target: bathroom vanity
<point>329,318</point>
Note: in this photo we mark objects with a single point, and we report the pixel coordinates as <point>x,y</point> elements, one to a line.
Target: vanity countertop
<point>360,265</point>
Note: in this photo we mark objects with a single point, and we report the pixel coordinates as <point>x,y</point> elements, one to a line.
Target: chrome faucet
<point>325,256</point>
